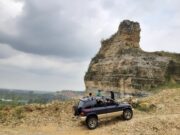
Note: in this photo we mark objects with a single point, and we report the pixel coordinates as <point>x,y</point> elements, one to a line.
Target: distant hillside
<point>72,94</point>
<point>18,97</point>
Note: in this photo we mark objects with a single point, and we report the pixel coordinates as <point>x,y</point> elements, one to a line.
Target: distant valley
<point>13,97</point>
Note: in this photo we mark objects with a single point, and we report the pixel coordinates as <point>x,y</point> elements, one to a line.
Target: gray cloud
<point>14,78</point>
<point>73,30</point>
<point>53,41</point>
<point>49,28</point>
<point>67,29</point>
<point>6,51</point>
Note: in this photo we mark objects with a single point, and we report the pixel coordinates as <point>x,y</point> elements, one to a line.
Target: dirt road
<point>141,124</point>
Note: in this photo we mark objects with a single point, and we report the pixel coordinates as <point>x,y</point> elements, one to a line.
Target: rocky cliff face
<point>121,65</point>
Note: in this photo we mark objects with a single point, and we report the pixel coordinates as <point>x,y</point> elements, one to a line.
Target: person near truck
<point>112,95</point>
<point>90,94</point>
<point>98,94</point>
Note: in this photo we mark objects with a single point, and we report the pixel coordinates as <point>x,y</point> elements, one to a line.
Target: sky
<point>47,45</point>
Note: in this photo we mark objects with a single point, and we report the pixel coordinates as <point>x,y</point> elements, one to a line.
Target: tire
<point>75,109</point>
<point>92,122</point>
<point>127,114</point>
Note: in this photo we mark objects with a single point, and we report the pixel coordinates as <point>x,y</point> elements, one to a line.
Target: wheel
<point>127,114</point>
<point>92,122</point>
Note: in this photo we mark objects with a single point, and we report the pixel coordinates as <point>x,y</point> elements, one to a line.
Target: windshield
<point>81,103</point>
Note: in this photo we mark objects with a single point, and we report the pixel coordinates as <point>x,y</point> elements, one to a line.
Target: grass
<point>11,104</point>
<point>3,117</point>
<point>18,112</point>
<point>175,56</point>
<point>167,85</point>
<point>144,106</point>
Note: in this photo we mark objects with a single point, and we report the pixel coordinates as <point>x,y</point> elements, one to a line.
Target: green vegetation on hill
<point>9,104</point>
<point>167,85</point>
<point>13,98</point>
<point>174,56</point>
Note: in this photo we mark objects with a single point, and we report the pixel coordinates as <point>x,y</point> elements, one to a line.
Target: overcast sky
<point>48,44</point>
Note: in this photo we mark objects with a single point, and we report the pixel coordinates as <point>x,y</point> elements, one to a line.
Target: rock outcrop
<point>121,65</point>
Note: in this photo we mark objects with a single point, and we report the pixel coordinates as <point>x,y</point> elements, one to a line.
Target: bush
<point>18,113</point>
<point>2,117</point>
<point>144,106</point>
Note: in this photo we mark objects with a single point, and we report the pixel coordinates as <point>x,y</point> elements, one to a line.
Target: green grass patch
<point>167,85</point>
<point>11,104</point>
<point>144,106</point>
<point>18,112</point>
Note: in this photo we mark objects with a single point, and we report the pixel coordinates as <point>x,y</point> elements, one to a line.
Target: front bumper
<point>80,118</point>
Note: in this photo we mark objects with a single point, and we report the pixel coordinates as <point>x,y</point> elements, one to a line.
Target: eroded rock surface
<point>121,65</point>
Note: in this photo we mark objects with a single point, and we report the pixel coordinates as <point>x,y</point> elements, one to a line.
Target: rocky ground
<point>157,114</point>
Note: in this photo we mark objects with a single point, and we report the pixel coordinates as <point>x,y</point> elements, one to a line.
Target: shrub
<point>18,113</point>
<point>144,106</point>
<point>2,117</point>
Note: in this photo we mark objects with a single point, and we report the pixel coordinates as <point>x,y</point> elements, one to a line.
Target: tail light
<point>82,113</point>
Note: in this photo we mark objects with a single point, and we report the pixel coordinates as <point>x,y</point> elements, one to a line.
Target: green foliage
<point>174,56</point>
<point>11,104</point>
<point>167,85</point>
<point>20,97</point>
<point>144,106</point>
<point>18,113</point>
<point>2,117</point>
<point>170,70</point>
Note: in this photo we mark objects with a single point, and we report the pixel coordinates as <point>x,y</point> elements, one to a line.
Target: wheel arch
<point>128,107</point>
<point>92,115</point>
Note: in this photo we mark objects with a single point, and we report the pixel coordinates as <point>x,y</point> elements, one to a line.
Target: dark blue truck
<point>91,109</point>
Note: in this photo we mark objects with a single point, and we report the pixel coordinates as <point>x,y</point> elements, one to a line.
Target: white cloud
<point>33,70</point>
<point>9,10</point>
<point>37,62</point>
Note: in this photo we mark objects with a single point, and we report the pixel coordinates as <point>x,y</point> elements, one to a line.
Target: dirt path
<point>140,124</point>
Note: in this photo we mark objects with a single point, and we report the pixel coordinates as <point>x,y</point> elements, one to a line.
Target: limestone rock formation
<point>121,65</point>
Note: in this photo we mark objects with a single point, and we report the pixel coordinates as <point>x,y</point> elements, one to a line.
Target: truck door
<point>100,110</point>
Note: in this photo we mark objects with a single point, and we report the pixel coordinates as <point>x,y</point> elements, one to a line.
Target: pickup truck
<point>92,109</point>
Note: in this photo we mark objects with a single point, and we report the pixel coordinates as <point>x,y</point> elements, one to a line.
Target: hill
<point>14,97</point>
<point>121,65</point>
